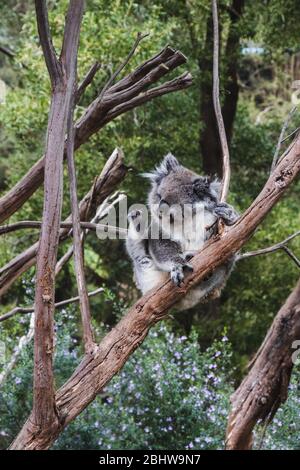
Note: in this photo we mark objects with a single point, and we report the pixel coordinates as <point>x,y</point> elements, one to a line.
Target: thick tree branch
<point>266,385</point>
<point>4,229</point>
<point>95,372</point>
<point>63,79</point>
<point>95,117</point>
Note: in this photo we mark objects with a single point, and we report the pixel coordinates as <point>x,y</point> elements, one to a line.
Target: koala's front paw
<point>227,213</point>
<point>177,274</point>
<point>134,218</point>
<point>135,214</point>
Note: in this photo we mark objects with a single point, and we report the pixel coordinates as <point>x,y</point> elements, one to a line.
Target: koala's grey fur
<point>154,260</point>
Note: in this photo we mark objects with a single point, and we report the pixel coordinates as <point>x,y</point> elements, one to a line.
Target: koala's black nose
<point>163,205</point>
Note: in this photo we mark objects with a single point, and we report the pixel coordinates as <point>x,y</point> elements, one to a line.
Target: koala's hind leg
<point>146,275</point>
<point>168,257</point>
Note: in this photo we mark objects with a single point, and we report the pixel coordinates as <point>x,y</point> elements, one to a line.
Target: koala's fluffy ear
<point>169,163</point>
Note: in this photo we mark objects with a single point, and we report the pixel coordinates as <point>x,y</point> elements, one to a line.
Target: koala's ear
<point>168,164</point>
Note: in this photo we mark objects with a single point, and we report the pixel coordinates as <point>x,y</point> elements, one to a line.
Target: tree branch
<point>112,174</point>
<point>95,372</point>
<point>28,224</point>
<point>119,69</point>
<point>266,385</point>
<point>95,118</point>
<point>63,79</point>
<point>88,335</point>
<point>217,106</point>
<point>87,80</point>
<point>62,303</point>
<point>271,249</point>
<point>53,65</point>
<point>281,136</point>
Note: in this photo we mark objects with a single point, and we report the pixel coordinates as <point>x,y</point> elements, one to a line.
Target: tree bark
<point>63,79</point>
<point>96,371</point>
<point>265,387</point>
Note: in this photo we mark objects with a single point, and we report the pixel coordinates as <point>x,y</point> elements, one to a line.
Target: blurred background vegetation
<point>260,59</point>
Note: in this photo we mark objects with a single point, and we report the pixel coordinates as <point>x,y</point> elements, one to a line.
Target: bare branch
<point>281,136</point>
<point>62,303</point>
<point>4,229</point>
<point>217,106</point>
<point>87,80</point>
<point>95,118</point>
<point>63,79</point>
<point>22,343</point>
<point>111,80</point>
<point>271,249</point>
<point>112,174</point>
<point>53,65</point>
<point>7,51</point>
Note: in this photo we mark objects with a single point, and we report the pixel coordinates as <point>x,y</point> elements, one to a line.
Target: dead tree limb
<point>128,93</point>
<point>271,249</point>
<point>62,74</point>
<point>265,387</point>
<point>112,174</point>
<point>217,106</point>
<point>96,371</point>
<point>29,224</point>
<point>281,137</point>
<point>87,80</point>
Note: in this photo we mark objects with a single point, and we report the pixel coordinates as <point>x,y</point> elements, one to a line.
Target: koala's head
<point>173,185</point>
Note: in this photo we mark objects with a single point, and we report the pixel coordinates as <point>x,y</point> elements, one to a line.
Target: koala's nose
<point>163,205</point>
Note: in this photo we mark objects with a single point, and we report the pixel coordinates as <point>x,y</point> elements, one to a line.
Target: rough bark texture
<point>95,371</point>
<point>112,174</point>
<point>63,79</point>
<point>265,386</point>
<point>128,93</point>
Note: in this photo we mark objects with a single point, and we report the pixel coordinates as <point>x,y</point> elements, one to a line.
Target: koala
<point>184,209</point>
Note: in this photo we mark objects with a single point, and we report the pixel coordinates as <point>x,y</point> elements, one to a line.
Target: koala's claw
<point>133,215</point>
<point>227,213</point>
<point>177,274</point>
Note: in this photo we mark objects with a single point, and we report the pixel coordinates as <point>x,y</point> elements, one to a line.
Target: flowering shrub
<point>169,395</point>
